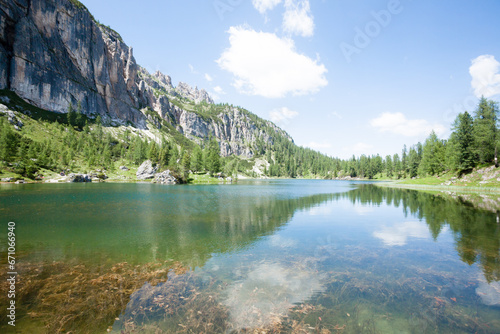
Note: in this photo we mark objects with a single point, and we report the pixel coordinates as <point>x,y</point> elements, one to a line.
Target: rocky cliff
<point>53,53</point>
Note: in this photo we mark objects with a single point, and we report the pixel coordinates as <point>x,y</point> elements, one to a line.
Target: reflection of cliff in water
<point>60,290</point>
<point>476,231</point>
<point>186,224</point>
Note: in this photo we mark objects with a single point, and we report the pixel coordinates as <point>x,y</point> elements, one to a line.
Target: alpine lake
<point>259,256</point>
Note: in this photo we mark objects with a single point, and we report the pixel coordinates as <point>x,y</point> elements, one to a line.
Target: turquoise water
<point>273,256</point>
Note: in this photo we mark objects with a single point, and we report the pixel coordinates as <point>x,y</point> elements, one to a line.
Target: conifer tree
<point>71,115</point>
<point>186,161</point>
<point>164,155</point>
<point>213,157</point>
<point>460,152</point>
<point>197,159</point>
<point>153,153</point>
<point>174,156</point>
<point>388,166</point>
<point>485,130</point>
<point>433,156</point>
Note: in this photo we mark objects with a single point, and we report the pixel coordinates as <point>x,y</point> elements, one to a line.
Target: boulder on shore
<point>78,178</point>
<point>146,170</point>
<point>165,178</point>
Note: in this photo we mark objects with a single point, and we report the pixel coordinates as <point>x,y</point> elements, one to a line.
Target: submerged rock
<point>146,170</point>
<point>165,178</point>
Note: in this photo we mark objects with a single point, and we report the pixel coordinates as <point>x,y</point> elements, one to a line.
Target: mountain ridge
<point>56,56</point>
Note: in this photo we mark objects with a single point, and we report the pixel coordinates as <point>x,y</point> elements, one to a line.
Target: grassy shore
<point>439,187</point>
<point>483,179</point>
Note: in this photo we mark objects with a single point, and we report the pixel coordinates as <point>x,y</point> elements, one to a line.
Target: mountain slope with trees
<point>74,99</point>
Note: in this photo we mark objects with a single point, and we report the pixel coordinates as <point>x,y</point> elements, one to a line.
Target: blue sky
<point>343,77</point>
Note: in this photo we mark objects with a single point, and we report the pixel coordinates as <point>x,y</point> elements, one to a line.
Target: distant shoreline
<point>462,189</point>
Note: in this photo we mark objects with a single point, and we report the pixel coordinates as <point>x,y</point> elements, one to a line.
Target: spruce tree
<point>79,120</point>
<point>397,165</point>
<point>197,159</point>
<point>153,153</point>
<point>174,156</point>
<point>388,166</point>
<point>485,130</point>
<point>71,115</point>
<point>213,157</point>
<point>433,154</point>
<point>164,154</point>
<point>462,157</point>
<point>186,161</point>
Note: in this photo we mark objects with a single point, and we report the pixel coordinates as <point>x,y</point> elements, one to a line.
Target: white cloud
<point>264,5</point>
<point>192,69</point>
<point>297,18</point>
<point>208,77</point>
<point>335,114</point>
<point>219,90</point>
<point>397,123</point>
<point>397,235</point>
<point>282,115</point>
<point>266,65</point>
<point>318,146</point>
<point>485,72</point>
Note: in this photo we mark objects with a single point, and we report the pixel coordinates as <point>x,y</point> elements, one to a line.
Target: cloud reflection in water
<point>267,293</point>
<point>398,234</point>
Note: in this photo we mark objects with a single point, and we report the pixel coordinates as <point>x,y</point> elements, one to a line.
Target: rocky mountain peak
<point>164,79</point>
<point>184,90</point>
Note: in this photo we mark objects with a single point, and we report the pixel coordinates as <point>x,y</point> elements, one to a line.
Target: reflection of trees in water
<point>72,296</point>
<point>189,227</point>
<point>233,226</point>
<point>476,231</point>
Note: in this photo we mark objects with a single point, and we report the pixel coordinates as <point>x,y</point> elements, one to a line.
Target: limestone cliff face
<point>53,53</point>
<point>235,131</point>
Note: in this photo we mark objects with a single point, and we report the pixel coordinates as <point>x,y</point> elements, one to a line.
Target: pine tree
<point>197,159</point>
<point>98,120</point>
<point>460,148</point>
<point>397,165</point>
<point>71,115</point>
<point>433,154</point>
<point>388,166</point>
<point>213,157</point>
<point>186,161</point>
<point>79,120</point>
<point>485,130</point>
<point>153,153</point>
<point>164,155</point>
<point>404,161</point>
<point>413,162</point>
<point>174,156</point>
